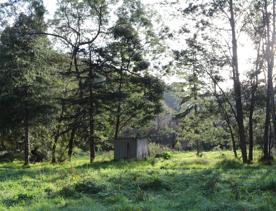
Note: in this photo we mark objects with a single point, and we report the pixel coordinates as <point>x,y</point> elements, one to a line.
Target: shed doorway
<point>128,151</point>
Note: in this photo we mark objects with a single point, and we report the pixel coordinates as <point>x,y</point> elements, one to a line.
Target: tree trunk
<point>56,135</point>
<point>250,118</point>
<point>225,115</point>
<point>227,119</point>
<point>54,149</point>
<point>92,141</point>
<point>91,112</point>
<point>3,147</point>
<point>252,105</point>
<point>273,116</point>
<point>237,86</point>
<point>250,126</point>
<point>118,112</point>
<point>26,140</point>
<point>71,143</point>
<point>118,121</point>
<point>91,129</point>
<point>267,114</point>
<point>272,66</point>
<point>195,96</point>
<point>270,137</point>
<point>270,109</point>
<point>197,148</point>
<point>266,128</point>
<point>234,148</point>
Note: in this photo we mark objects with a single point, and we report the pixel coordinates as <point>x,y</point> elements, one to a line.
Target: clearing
<point>180,181</point>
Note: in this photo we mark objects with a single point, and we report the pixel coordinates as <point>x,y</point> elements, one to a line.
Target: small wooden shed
<point>130,148</point>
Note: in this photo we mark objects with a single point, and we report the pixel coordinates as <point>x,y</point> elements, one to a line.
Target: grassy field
<point>181,182</point>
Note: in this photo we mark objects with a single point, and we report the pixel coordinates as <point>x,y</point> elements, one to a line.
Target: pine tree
<point>26,97</point>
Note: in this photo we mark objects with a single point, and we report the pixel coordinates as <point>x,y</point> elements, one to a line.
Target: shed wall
<point>125,148</point>
<point>142,149</point>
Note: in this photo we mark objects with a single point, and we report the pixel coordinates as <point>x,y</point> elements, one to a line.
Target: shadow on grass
<point>226,164</point>
<point>15,172</point>
<point>167,189</point>
<point>113,164</point>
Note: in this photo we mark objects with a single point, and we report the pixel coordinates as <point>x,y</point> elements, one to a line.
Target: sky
<point>51,6</point>
<point>246,52</point>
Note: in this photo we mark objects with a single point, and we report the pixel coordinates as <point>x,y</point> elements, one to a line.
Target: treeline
<point>87,74</point>
<point>78,79</point>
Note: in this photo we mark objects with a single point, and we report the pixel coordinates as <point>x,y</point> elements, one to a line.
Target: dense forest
<point>193,75</point>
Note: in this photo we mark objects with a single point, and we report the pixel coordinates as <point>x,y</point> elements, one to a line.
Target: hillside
<point>171,101</point>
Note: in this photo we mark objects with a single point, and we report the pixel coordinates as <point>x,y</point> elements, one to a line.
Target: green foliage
<point>155,149</point>
<point>269,185</point>
<point>210,182</point>
<point>229,164</point>
<point>7,157</point>
<point>20,199</point>
<point>67,192</point>
<point>75,88</point>
<point>89,187</point>
<point>164,155</point>
<point>155,184</point>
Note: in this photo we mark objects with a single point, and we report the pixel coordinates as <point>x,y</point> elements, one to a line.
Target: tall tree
<point>26,94</point>
<point>269,23</point>
<point>236,82</point>
<point>78,25</point>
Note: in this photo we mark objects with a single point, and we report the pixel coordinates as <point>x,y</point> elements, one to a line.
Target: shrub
<point>229,164</point>
<point>7,157</point>
<point>268,186</point>
<point>155,184</point>
<point>22,197</point>
<point>266,161</point>
<point>67,192</point>
<point>210,183</point>
<point>49,191</point>
<point>141,195</point>
<point>37,156</point>
<point>89,187</point>
<point>164,155</point>
<point>235,189</point>
<point>155,149</point>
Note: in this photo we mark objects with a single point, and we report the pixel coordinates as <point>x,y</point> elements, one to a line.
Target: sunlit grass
<point>214,181</point>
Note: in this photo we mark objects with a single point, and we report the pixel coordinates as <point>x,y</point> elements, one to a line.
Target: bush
<point>154,184</point>
<point>229,164</point>
<point>164,155</point>
<point>268,186</point>
<point>141,195</point>
<point>210,183</point>
<point>20,198</point>
<point>6,157</point>
<point>67,192</point>
<point>89,187</point>
<point>155,149</point>
<point>266,161</point>
<point>37,156</point>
